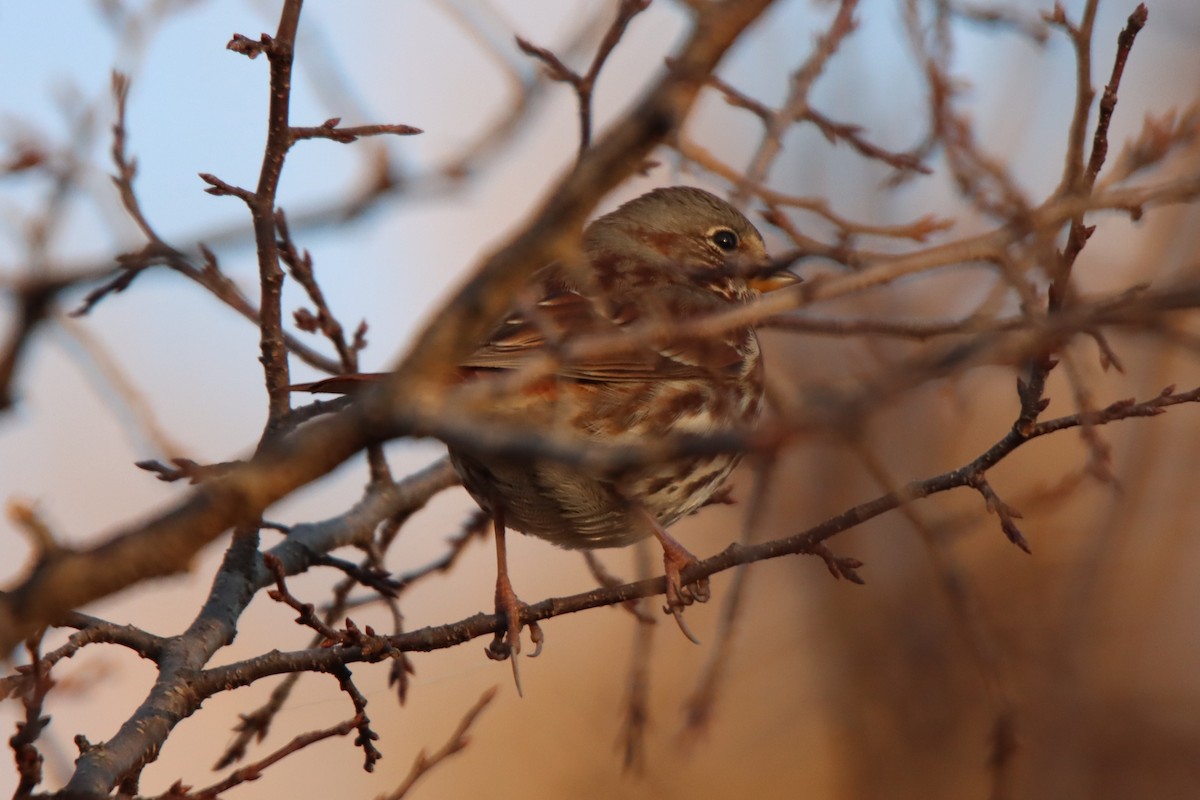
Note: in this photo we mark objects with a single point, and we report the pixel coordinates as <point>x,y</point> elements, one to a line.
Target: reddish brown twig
<point>606,578</point>
<point>252,772</point>
<point>585,84</point>
<point>458,740</point>
<point>635,720</point>
<point>36,684</point>
<point>1007,514</point>
<point>157,251</point>
<point>186,469</point>
<point>330,130</point>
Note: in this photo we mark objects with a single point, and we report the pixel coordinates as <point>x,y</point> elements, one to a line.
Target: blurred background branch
<point>985,282</point>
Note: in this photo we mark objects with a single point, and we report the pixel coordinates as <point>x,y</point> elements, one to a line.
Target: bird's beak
<point>774,281</point>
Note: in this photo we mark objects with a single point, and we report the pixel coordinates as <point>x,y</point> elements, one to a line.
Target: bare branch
<point>253,772</point>
<point>455,744</point>
<point>804,542</point>
<point>584,84</point>
<point>330,130</point>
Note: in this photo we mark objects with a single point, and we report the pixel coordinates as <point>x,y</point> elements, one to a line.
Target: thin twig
<point>252,772</point>
<point>455,744</point>
<point>584,84</point>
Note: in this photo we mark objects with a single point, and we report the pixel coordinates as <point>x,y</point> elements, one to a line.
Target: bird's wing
<point>565,315</point>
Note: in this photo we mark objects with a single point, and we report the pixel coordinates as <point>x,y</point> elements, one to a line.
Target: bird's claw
<point>537,637</point>
<point>679,594</point>
<point>506,643</point>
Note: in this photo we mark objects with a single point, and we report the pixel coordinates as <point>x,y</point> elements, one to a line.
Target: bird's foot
<point>506,644</point>
<point>676,559</point>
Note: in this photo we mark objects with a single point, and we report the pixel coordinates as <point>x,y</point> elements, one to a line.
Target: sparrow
<point>666,258</point>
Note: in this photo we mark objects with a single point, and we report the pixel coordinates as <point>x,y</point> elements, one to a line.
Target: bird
<point>669,257</point>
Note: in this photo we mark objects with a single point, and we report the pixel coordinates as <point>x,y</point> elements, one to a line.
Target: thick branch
<point>806,542</point>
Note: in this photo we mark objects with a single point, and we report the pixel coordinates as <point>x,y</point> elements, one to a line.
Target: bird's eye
<point>725,239</point>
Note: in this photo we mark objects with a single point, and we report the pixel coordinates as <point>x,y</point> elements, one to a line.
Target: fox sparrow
<point>669,256</point>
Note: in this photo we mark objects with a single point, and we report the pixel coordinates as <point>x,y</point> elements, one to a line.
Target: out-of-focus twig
<point>455,744</point>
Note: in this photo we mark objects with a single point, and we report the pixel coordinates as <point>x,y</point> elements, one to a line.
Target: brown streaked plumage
<point>671,255</point>
<point>653,258</point>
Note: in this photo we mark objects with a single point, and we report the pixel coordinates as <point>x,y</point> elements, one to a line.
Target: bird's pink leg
<point>508,644</point>
<point>676,559</point>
